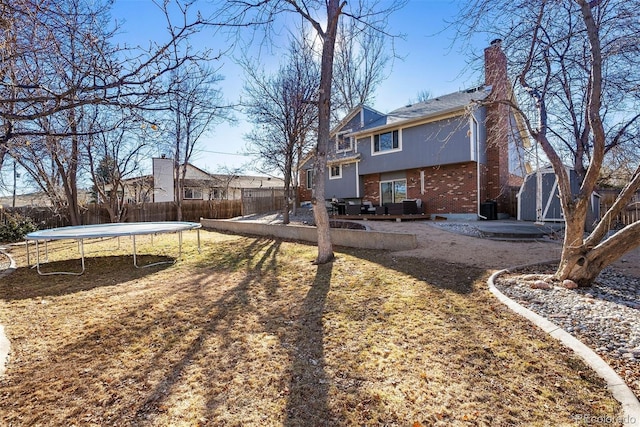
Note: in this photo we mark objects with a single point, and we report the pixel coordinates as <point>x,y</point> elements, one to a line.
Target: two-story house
<point>452,152</point>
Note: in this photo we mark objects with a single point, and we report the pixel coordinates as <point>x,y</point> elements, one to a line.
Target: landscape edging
<point>5,345</point>
<point>616,385</point>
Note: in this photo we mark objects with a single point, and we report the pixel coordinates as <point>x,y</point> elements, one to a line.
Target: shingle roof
<point>431,107</point>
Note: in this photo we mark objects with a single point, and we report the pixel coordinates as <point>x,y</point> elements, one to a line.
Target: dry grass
<point>251,333</point>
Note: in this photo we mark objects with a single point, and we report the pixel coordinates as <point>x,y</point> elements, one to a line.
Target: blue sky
<point>429,63</point>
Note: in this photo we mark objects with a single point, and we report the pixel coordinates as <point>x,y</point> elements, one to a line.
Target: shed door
<point>551,208</point>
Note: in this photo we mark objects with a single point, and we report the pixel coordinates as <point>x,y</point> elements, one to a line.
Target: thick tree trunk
<point>287,188</point>
<point>584,264</point>
<point>321,216</point>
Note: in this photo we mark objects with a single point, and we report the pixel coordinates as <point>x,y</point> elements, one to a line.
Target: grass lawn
<point>250,333</point>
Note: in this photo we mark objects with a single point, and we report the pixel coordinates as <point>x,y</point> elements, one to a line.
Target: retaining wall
<point>364,239</point>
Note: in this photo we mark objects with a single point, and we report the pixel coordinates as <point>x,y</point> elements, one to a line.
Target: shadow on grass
<point>458,278</point>
<point>26,283</point>
<point>307,404</point>
<point>238,337</point>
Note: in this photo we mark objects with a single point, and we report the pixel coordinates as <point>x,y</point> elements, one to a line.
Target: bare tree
<point>193,104</point>
<point>114,156</point>
<point>576,69</point>
<point>323,17</point>
<point>422,96</point>
<point>283,112</point>
<point>224,178</point>
<point>362,56</point>
<point>58,56</point>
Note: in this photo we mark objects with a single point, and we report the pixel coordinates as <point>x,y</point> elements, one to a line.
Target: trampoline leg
<point>199,249</point>
<point>81,248</point>
<point>135,262</point>
<point>135,259</point>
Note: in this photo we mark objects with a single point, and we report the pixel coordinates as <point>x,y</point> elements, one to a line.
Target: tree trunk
<point>178,191</point>
<point>320,214</point>
<point>583,264</point>
<point>287,188</point>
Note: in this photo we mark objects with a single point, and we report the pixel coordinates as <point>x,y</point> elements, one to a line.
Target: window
<point>343,142</point>
<point>385,142</point>
<point>218,194</point>
<point>192,193</point>
<point>309,179</point>
<point>335,172</point>
<point>393,191</point>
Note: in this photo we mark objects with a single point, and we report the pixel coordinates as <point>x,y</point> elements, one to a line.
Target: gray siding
<point>431,144</point>
<point>370,116</point>
<point>516,151</point>
<point>481,116</point>
<point>344,187</point>
<point>353,124</point>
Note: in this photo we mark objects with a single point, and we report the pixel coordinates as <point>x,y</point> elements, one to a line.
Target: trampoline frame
<point>82,232</point>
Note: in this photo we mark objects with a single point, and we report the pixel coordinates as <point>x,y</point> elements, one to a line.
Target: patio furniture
<point>353,209</point>
<point>381,210</point>
<point>394,208</point>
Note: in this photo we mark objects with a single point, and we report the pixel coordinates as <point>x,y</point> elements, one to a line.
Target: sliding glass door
<point>393,191</point>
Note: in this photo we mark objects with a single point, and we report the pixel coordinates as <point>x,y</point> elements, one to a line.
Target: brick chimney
<point>497,124</point>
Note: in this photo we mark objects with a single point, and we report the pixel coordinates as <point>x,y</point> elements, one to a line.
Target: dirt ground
<point>437,243</point>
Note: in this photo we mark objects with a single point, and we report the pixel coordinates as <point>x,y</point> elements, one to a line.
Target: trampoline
<point>132,229</point>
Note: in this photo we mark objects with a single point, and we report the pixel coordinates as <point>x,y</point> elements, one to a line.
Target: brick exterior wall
<point>448,189</point>
<point>304,193</point>
<point>497,126</point>
<point>371,188</point>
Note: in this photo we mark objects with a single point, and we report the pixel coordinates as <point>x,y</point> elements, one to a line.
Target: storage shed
<point>550,202</point>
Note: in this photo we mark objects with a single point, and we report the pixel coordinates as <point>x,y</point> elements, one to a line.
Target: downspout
<point>355,150</point>
<point>476,142</point>
<point>357,180</point>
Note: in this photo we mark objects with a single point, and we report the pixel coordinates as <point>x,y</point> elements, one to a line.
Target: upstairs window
<point>385,142</point>
<point>343,142</point>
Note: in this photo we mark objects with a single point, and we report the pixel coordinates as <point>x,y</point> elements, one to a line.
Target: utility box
<point>489,210</point>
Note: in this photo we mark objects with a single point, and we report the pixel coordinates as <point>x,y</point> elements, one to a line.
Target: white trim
<point>331,175</point>
<point>310,172</point>
<point>194,191</point>
<point>357,178</point>
<point>551,196</point>
<point>393,188</point>
<point>351,140</point>
<point>417,121</point>
<point>393,150</point>
<point>473,138</point>
<point>422,190</point>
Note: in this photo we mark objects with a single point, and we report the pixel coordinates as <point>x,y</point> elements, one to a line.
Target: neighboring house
<point>450,152</point>
<point>39,199</point>
<point>201,185</point>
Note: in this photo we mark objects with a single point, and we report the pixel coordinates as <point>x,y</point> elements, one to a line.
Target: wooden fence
<point>260,200</point>
<point>628,216</point>
<point>253,201</point>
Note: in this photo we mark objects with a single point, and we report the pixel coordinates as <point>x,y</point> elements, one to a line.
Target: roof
<point>432,107</point>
